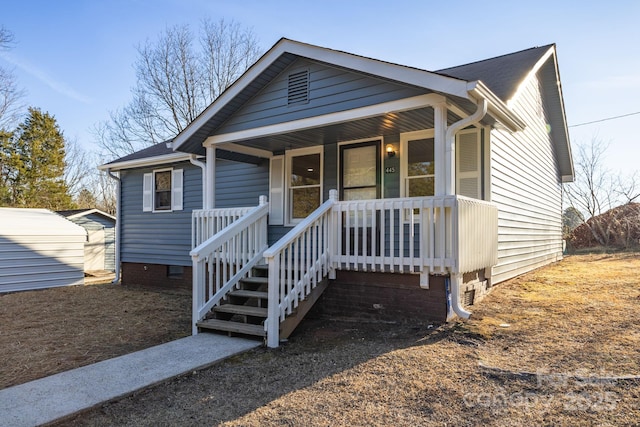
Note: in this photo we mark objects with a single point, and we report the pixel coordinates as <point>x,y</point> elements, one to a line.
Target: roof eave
<point>144,162</point>
<point>497,108</point>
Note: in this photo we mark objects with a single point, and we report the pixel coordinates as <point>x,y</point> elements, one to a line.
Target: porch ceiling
<point>372,127</point>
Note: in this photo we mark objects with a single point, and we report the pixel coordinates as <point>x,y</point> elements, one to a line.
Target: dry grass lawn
<point>558,346</point>
<point>53,330</point>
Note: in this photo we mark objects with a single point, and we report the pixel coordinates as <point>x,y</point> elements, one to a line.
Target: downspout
<point>118,225</point>
<point>453,291</point>
<point>203,166</point>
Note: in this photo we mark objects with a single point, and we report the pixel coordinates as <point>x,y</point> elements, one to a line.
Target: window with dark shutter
<point>298,88</point>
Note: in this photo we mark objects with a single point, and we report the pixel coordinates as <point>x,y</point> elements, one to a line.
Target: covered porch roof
<point>403,115</point>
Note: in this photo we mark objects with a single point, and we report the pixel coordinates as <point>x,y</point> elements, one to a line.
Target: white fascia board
<point>497,108</point>
<point>329,119</point>
<point>89,212</point>
<point>530,74</point>
<point>147,161</point>
<point>242,149</point>
<point>414,76</point>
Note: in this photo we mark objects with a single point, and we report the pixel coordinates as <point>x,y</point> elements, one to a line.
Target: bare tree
<point>10,94</point>
<point>597,190</point>
<point>176,78</point>
<point>76,167</point>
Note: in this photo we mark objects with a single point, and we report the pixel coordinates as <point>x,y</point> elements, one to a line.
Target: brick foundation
<point>154,275</point>
<point>383,296</point>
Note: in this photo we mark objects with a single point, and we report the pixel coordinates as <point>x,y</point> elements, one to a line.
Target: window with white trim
<point>162,190</point>
<point>304,182</point>
<point>418,163</point>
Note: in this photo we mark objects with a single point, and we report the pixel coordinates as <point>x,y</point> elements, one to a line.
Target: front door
<point>360,171</point>
<point>360,180</point>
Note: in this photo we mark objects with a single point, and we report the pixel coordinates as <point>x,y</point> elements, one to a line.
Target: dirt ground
<point>53,330</point>
<point>558,346</point>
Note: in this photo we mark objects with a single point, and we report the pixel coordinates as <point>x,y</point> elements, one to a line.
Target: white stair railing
<point>228,256</point>
<point>297,263</point>
<point>207,222</point>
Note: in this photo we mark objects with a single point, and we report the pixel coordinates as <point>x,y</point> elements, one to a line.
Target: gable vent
<point>298,89</point>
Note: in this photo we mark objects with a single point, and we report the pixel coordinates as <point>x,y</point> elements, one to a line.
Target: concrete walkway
<point>48,399</point>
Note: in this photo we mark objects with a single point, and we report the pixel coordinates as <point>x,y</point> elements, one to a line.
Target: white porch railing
<point>476,237</point>
<point>207,222</point>
<point>228,256</point>
<point>415,235</point>
<point>426,235</point>
<point>297,263</point>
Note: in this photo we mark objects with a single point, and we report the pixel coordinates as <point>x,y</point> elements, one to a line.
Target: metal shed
<point>100,248</point>
<point>39,249</point>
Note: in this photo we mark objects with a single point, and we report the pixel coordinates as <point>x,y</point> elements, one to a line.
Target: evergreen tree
<point>32,161</point>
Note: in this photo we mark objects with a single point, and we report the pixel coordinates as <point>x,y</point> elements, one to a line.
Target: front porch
<point>446,236</point>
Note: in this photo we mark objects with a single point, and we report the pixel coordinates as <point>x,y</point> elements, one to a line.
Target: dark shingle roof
<point>502,74</point>
<point>159,149</point>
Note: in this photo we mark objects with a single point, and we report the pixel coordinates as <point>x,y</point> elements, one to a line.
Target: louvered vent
<point>298,89</point>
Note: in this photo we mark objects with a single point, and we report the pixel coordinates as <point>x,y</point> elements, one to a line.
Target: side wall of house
<point>164,238</point>
<point>525,185</point>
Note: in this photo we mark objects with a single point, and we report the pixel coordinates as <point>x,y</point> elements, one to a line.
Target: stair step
<point>241,309</point>
<point>258,280</point>
<point>264,267</point>
<point>243,293</point>
<point>225,325</point>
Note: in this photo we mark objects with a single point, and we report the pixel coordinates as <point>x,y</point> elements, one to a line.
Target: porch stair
<point>243,311</point>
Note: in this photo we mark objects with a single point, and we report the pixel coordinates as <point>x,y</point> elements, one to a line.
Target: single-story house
<point>39,249</point>
<point>388,190</point>
<point>100,247</point>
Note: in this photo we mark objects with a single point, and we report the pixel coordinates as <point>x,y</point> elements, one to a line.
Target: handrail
<point>296,231</point>
<point>207,222</point>
<point>229,230</point>
<point>225,258</point>
<point>297,263</point>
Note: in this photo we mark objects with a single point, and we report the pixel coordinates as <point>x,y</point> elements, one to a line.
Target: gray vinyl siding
<point>330,90</point>
<point>525,186</point>
<point>158,237</point>
<point>241,184</point>
<point>165,237</point>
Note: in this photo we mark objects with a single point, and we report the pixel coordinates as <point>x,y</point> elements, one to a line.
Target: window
<point>303,181</point>
<point>418,164</point>
<point>162,190</point>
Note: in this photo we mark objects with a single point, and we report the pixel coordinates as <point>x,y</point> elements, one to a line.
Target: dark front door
<point>360,180</point>
<point>360,171</point>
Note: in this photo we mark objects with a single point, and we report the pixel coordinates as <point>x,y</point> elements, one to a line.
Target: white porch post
<point>440,149</point>
<point>210,190</point>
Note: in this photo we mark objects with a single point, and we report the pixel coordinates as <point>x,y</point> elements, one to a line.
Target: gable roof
<point>496,79</point>
<point>285,51</point>
<point>505,75</point>
<point>502,74</point>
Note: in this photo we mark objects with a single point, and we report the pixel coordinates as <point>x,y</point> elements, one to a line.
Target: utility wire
<point>604,120</point>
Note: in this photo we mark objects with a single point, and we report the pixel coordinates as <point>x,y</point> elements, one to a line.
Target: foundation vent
<point>469,296</point>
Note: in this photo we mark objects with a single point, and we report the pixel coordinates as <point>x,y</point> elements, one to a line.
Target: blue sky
<point>74,58</point>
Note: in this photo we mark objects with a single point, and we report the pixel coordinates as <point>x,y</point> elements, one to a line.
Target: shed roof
<point>76,213</point>
<point>34,222</point>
